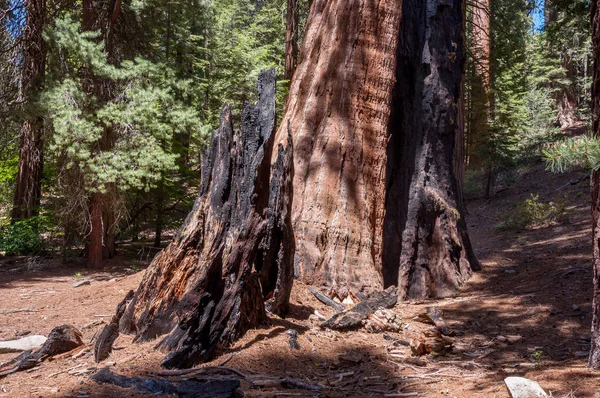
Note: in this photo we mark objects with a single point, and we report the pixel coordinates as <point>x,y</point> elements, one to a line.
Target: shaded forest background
<point>107,113</point>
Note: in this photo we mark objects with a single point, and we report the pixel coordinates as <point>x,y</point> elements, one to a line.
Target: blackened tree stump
<point>232,259</point>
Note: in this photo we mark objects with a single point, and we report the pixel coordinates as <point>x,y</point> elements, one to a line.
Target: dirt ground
<point>527,314</point>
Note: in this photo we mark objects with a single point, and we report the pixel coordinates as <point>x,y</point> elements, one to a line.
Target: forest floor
<point>528,313</point>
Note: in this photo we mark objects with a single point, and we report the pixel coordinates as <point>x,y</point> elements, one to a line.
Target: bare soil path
<point>527,314</point>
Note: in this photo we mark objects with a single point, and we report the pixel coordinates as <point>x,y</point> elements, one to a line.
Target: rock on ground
<point>520,387</point>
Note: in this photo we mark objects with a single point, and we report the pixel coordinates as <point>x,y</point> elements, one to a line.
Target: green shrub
<point>532,213</point>
<point>21,238</point>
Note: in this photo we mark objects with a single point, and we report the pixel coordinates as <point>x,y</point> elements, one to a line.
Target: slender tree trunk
<point>96,236</point>
<point>425,233</point>
<point>565,100</point>
<point>594,360</point>
<point>291,39</point>
<point>338,112</point>
<point>459,142</point>
<point>479,133</point>
<point>159,208</point>
<point>102,241</point>
<point>28,188</point>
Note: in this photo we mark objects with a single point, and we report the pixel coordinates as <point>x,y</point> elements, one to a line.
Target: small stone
<point>20,345</point>
<point>520,387</point>
<point>510,271</point>
<point>575,307</point>
<point>81,283</point>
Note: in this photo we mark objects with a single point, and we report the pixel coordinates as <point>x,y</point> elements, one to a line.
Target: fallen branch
<point>15,311</point>
<point>326,300</point>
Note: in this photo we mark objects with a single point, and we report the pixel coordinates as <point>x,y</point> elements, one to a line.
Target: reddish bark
<point>338,111</point>
<point>28,188</point>
<point>291,39</point>
<point>594,359</point>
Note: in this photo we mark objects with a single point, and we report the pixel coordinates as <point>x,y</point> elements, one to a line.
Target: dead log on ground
<point>61,339</point>
<point>210,386</point>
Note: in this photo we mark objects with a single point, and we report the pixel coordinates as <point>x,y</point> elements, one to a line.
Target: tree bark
<point>425,236</point>
<point>28,188</point>
<point>594,359</point>
<point>102,241</point>
<point>232,259</point>
<point>565,99</point>
<point>480,79</point>
<point>291,39</point>
<point>338,111</point>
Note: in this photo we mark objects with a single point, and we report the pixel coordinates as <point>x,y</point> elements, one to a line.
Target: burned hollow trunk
<point>426,251</point>
<point>594,359</point>
<point>232,259</point>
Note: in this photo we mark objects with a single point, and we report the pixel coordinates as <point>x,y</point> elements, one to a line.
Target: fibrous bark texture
<point>235,249</point>
<point>338,111</point>
<point>427,251</point>
<point>291,39</point>
<point>479,134</point>
<point>28,187</point>
<point>594,360</point>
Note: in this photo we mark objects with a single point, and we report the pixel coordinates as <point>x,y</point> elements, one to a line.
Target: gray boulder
<point>520,387</point>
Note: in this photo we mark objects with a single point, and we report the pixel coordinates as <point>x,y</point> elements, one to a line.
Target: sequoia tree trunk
<point>232,259</point>
<point>28,188</point>
<point>594,360</point>
<point>338,111</point>
<point>426,243</point>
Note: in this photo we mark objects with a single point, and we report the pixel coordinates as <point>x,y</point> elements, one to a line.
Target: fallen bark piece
<point>520,387</point>
<point>21,362</point>
<point>108,336</point>
<point>326,300</point>
<point>23,344</point>
<point>208,386</point>
<point>354,317</point>
<point>81,283</point>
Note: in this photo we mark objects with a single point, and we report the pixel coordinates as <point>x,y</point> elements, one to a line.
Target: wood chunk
<point>353,318</point>
<point>110,333</point>
<point>61,339</point>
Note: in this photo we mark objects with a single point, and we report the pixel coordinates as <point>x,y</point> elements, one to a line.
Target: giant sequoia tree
<point>371,126</point>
